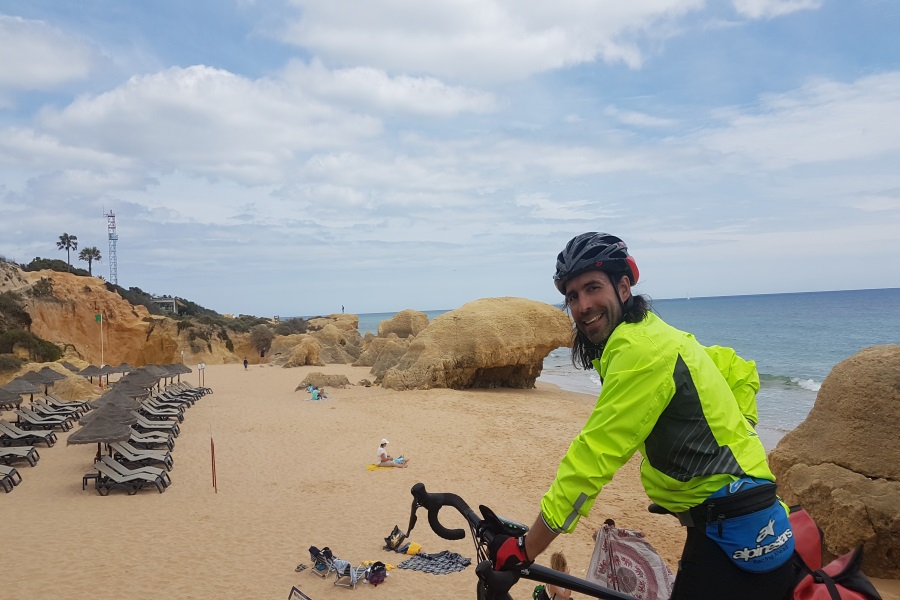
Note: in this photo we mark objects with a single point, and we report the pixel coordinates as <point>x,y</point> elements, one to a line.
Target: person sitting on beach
<point>322,394</point>
<point>386,460</point>
<point>558,563</point>
<point>315,393</point>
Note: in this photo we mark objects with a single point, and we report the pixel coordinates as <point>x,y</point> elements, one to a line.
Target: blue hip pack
<point>748,523</point>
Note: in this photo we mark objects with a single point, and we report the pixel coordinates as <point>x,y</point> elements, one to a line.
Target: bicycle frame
<point>496,584</point>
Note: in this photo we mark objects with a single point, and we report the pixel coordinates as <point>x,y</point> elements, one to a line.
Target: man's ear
<point>624,288</point>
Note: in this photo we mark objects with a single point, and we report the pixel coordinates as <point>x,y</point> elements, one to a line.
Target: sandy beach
<point>290,474</point>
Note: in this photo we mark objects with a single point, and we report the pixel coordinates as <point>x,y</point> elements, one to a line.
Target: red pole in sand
<point>212,452</point>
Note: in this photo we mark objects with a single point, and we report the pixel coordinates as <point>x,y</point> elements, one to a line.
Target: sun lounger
<point>11,435</point>
<point>29,420</point>
<point>145,424</point>
<point>129,455</point>
<point>151,441</point>
<point>109,478</point>
<point>9,477</point>
<point>27,453</point>
<point>47,410</point>
<point>125,470</point>
<point>78,405</point>
<point>154,411</point>
<point>51,397</point>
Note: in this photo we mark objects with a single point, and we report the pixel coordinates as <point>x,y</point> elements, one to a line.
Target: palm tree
<point>68,243</point>
<point>90,254</point>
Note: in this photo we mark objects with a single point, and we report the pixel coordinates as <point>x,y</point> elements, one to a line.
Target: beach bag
<point>841,579</point>
<point>625,561</point>
<point>540,593</point>
<point>394,539</point>
<point>376,573</point>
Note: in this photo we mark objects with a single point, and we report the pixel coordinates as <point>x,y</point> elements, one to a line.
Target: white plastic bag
<point>624,561</point>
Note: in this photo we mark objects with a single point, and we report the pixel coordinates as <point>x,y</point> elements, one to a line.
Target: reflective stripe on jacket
<point>688,409</point>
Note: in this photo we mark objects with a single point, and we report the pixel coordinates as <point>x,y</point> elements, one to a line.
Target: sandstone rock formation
<point>344,322</point>
<point>338,346</point>
<point>492,342</point>
<point>73,387</point>
<point>307,352</point>
<point>404,324</point>
<point>389,355</point>
<point>130,333</point>
<point>373,348</point>
<point>843,462</point>
<point>321,380</point>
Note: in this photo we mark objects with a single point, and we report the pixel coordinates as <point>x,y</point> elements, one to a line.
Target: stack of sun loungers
<point>15,446</point>
<point>144,460</point>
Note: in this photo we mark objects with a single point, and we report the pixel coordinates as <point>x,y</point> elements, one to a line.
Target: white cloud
<point>37,56</point>
<point>373,89</point>
<point>767,9</point>
<point>638,119</point>
<point>207,121</point>
<point>822,121</point>
<point>480,40</point>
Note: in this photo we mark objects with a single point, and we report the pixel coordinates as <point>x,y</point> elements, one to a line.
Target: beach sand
<point>290,475</point>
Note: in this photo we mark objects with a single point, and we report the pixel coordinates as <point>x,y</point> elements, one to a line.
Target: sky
<point>298,156</point>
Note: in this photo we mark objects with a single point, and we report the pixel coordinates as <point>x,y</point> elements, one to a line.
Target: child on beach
<point>558,563</point>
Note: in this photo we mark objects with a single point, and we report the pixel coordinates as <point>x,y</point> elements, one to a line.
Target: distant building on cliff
<point>172,306</point>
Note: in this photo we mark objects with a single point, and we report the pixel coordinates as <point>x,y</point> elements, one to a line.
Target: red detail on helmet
<point>634,268</point>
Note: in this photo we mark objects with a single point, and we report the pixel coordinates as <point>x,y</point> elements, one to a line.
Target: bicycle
<point>495,585</point>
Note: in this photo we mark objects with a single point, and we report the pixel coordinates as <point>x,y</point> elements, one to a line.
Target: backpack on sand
<point>376,573</point>
<point>841,579</point>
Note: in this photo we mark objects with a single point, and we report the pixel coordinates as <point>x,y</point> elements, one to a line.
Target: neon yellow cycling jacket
<point>689,410</point>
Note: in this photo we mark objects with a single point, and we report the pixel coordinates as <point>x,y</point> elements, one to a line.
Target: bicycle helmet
<point>594,250</point>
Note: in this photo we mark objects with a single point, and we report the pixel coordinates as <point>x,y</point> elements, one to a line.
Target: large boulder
<point>492,342</point>
<point>338,346</point>
<point>321,380</point>
<point>374,347</point>
<point>389,356</point>
<point>404,324</point>
<point>843,462</point>
<point>307,352</point>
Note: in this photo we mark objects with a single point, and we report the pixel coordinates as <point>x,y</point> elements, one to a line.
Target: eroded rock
<point>492,342</point>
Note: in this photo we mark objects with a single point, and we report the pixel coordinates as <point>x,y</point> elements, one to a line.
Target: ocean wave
<point>783,380</point>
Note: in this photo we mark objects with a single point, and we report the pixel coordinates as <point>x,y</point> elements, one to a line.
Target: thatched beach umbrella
<point>69,366</point>
<point>124,368</point>
<point>38,378</point>
<point>9,399</point>
<point>141,377</point>
<point>51,375</point>
<point>115,409</point>
<point>21,385</point>
<point>131,390</point>
<point>90,372</point>
<point>117,398</point>
<point>108,422</point>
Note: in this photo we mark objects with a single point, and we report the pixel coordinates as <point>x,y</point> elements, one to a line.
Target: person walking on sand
<point>690,410</point>
<point>246,362</point>
<point>386,460</point>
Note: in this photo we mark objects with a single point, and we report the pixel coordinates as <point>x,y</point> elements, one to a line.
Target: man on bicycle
<point>690,410</point>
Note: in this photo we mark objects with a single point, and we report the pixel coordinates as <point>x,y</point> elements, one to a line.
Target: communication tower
<point>113,238</point>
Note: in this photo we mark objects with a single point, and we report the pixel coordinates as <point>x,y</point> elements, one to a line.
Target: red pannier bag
<point>841,579</point>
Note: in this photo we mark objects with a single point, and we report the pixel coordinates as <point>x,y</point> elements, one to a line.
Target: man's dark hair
<point>584,351</point>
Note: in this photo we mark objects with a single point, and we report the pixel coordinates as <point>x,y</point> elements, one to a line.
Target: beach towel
<point>441,563</point>
<point>375,467</point>
<point>625,561</point>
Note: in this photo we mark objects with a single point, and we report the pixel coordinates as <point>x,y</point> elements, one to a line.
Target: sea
<point>795,340</point>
